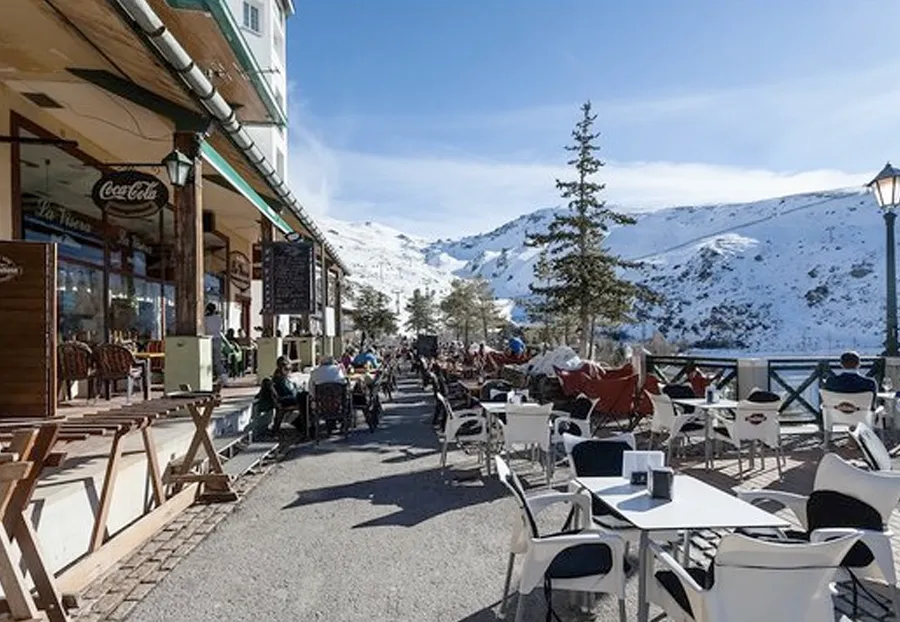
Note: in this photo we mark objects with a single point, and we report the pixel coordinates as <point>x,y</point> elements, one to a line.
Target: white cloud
<point>441,197</point>
<point>790,138</point>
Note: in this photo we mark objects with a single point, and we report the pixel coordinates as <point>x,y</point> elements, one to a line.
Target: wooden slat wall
<point>27,329</point>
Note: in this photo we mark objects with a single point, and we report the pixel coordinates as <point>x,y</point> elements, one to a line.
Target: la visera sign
<point>130,194</point>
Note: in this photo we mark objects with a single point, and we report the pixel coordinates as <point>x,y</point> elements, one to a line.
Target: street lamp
<point>179,168</point>
<point>886,188</point>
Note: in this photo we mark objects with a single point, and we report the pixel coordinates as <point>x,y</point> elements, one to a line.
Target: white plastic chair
<point>666,419</point>
<point>876,455</point>
<point>752,580</point>
<point>560,559</point>
<point>529,426</point>
<point>753,421</point>
<point>468,428</point>
<point>842,411</point>
<point>844,496</point>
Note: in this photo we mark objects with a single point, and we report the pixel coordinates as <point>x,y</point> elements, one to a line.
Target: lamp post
<point>886,188</point>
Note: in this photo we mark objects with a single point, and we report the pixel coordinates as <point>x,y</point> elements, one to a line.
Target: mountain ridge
<point>799,273</point>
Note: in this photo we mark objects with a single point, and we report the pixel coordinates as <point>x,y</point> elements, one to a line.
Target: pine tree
<point>485,306</point>
<point>459,309</point>
<point>579,275</point>
<point>421,313</point>
<point>373,315</point>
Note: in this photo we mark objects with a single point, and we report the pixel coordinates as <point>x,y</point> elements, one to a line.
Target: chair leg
<point>444,451</point>
<point>740,454</point>
<point>650,441</point>
<point>509,569</point>
<point>520,608</point>
<point>622,616</point>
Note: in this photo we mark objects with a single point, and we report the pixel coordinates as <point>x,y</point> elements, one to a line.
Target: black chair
<point>680,391</point>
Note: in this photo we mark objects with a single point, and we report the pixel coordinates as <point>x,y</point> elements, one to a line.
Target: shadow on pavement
<point>420,495</point>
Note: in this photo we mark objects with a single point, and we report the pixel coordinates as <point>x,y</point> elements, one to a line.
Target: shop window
<point>55,206</point>
<point>80,303</point>
<point>135,309</point>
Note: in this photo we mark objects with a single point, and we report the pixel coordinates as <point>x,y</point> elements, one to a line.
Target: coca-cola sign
<point>130,194</point>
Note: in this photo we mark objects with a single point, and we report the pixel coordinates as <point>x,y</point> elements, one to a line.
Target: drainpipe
<point>171,50</point>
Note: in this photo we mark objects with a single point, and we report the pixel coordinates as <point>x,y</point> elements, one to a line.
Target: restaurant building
<point>95,87</point>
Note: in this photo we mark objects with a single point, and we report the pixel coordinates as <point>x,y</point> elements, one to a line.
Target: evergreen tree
<point>579,275</point>
<point>373,315</point>
<point>459,309</point>
<point>421,312</point>
<point>485,307</point>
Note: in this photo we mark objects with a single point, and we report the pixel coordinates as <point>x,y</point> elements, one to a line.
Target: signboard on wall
<point>239,270</point>
<point>27,329</point>
<point>130,194</point>
<point>288,278</point>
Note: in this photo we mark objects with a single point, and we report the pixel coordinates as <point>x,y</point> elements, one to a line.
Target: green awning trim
<point>225,170</point>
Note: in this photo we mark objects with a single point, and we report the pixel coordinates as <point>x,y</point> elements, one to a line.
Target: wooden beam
<point>80,575</point>
<point>189,242</point>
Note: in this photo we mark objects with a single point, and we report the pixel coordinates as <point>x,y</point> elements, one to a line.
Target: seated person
<point>347,359</point>
<point>328,372</point>
<point>848,379</point>
<point>232,354</point>
<point>288,393</point>
<point>366,359</point>
<point>516,347</point>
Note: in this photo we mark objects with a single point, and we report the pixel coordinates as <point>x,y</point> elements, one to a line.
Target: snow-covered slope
<point>388,260</point>
<point>802,273</point>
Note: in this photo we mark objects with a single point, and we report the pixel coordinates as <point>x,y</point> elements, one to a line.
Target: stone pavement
<point>368,528</point>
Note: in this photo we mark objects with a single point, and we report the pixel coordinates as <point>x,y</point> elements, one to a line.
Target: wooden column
<point>338,313</point>
<point>189,242</point>
<point>324,294</point>
<point>266,235</point>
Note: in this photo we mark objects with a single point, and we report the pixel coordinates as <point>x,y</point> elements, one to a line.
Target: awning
<point>225,170</point>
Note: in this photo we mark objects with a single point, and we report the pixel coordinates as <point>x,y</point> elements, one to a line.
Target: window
<point>279,163</point>
<point>251,17</point>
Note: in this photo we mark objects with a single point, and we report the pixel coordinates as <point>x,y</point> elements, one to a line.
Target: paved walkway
<point>361,529</point>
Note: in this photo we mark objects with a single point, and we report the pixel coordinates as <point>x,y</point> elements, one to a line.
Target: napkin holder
<point>660,482</point>
<point>636,464</point>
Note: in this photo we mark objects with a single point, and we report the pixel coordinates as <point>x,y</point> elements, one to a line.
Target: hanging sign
<point>130,194</point>
<point>239,270</point>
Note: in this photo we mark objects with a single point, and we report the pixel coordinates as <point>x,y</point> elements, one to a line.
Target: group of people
<point>228,346</point>
<point>330,370</point>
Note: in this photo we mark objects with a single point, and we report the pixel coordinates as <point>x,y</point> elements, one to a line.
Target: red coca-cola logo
<point>130,194</point>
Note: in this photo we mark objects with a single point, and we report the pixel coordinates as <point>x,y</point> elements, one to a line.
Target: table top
<point>700,402</point>
<point>694,505</point>
<point>496,408</point>
<point>149,355</point>
<point>887,395</point>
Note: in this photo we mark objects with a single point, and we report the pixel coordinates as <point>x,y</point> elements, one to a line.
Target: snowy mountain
<point>802,273</point>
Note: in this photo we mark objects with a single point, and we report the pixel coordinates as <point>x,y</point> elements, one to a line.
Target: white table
<point>707,407</point>
<point>491,410</point>
<point>695,505</point>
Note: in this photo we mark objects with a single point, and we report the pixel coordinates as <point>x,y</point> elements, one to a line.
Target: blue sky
<point>447,117</point>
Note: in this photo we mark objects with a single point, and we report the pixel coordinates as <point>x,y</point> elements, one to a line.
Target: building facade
<point>95,86</point>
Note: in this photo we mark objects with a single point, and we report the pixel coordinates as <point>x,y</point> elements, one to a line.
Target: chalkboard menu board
<point>288,271</point>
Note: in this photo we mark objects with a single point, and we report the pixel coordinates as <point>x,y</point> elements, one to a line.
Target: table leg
<point>488,448</point>
<point>707,439</point>
<point>153,474</point>
<point>216,481</point>
<point>98,535</point>
<point>643,572</point>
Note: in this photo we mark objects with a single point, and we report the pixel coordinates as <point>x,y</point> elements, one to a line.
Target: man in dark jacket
<point>848,378</point>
